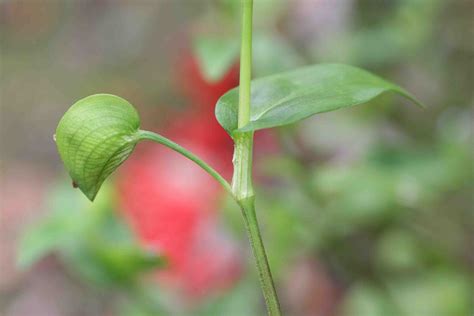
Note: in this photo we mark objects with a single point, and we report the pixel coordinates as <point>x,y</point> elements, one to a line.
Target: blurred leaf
<point>285,228</point>
<point>40,241</point>
<point>94,137</point>
<point>437,293</point>
<point>146,300</point>
<point>292,96</point>
<point>111,264</point>
<point>397,251</point>
<point>90,238</point>
<point>114,248</point>
<point>272,53</point>
<point>356,196</point>
<point>363,299</point>
<point>59,228</point>
<point>215,56</point>
<point>387,183</point>
<point>242,300</point>
<point>400,33</point>
<point>107,254</point>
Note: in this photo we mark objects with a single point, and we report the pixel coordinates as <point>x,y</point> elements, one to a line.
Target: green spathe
<point>94,137</point>
<point>98,133</point>
<point>289,97</point>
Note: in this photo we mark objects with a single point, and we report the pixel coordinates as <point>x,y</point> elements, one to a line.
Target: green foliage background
<point>380,196</point>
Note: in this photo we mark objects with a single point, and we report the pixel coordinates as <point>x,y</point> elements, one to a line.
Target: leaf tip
<point>90,194</point>
<point>409,96</point>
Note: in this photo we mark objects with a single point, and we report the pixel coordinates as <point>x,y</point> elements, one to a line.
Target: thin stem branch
<point>172,145</point>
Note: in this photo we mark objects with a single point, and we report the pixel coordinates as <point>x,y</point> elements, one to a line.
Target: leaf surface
<point>94,137</point>
<point>289,97</point>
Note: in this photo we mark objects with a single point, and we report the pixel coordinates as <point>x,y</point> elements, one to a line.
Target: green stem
<point>242,187</point>
<point>242,179</point>
<point>172,145</point>
<point>264,272</point>
<point>245,63</point>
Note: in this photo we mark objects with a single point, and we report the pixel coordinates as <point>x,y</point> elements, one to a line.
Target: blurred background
<point>366,211</point>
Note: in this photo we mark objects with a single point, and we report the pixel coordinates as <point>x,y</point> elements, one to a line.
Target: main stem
<point>264,272</point>
<point>242,180</point>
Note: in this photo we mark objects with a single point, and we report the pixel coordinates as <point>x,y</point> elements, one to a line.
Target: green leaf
<point>272,54</point>
<point>39,241</point>
<point>94,137</point>
<point>436,292</point>
<point>57,230</point>
<point>289,97</point>
<point>215,56</point>
<point>368,300</point>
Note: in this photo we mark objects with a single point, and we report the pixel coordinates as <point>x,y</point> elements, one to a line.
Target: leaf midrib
<point>303,94</point>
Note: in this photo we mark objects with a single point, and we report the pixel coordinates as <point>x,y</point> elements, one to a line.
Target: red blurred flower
<point>171,203</point>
